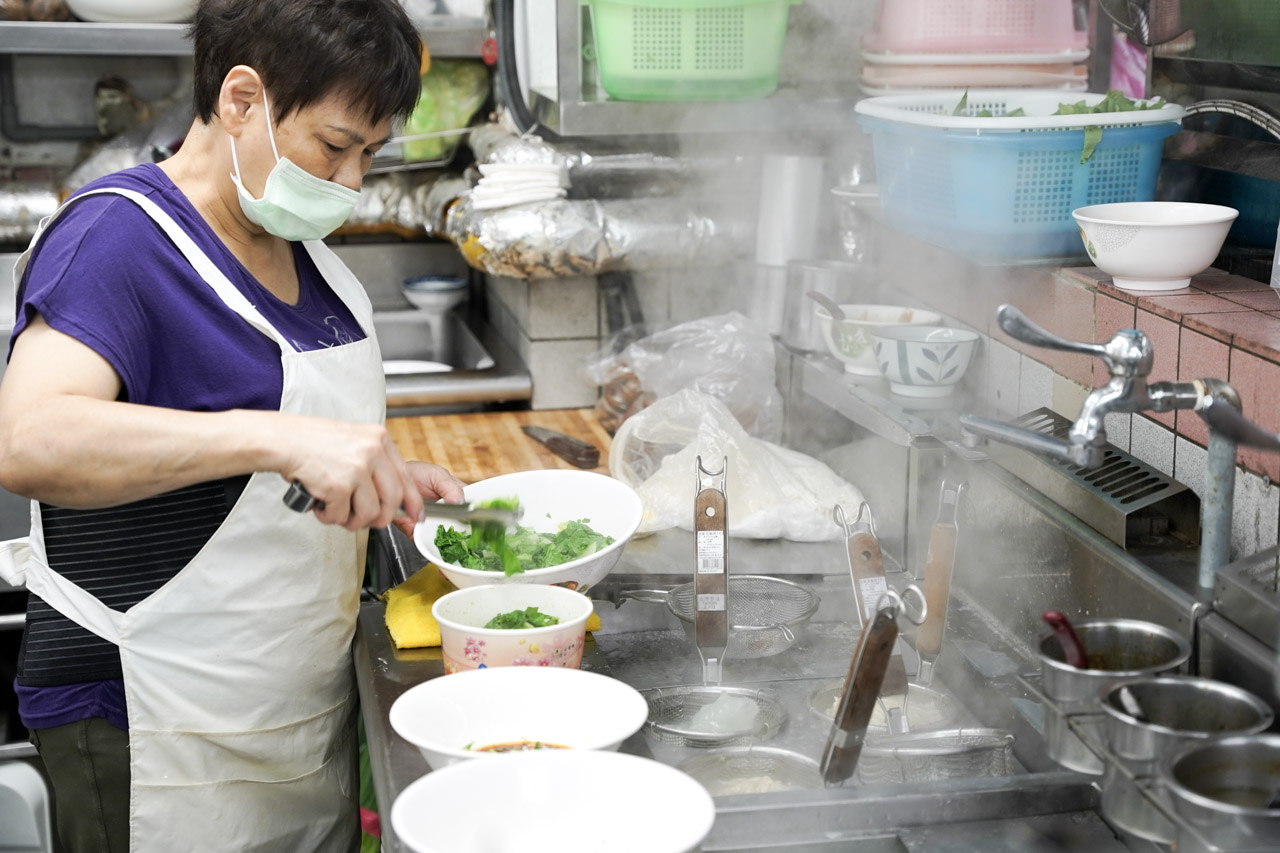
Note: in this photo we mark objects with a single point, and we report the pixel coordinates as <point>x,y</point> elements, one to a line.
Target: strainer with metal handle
<point>753,770</point>
<point>672,712</point>
<point>931,756</point>
<point>764,612</point>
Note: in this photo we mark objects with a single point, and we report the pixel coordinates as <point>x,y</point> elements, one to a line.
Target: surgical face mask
<point>295,204</point>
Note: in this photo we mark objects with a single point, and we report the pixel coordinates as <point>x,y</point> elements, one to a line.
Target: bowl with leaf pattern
<point>923,361</point>
<point>849,339</point>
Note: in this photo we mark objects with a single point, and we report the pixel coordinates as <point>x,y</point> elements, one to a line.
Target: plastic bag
<point>773,492</point>
<point>452,91</point>
<point>727,356</point>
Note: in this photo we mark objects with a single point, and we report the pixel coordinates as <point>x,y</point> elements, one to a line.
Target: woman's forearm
<point>83,452</point>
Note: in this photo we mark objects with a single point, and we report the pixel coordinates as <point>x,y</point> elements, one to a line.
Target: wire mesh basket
<point>764,613</point>
<point>753,770</point>
<point>926,709</point>
<point>672,711</point>
<point>931,756</point>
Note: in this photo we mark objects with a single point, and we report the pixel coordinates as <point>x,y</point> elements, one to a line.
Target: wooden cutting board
<point>475,446</point>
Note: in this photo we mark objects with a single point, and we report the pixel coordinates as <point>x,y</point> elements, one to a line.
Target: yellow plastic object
<point>408,616</point>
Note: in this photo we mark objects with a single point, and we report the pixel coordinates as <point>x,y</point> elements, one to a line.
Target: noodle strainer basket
<point>932,756</point>
<point>764,612</point>
<point>753,770</point>
<point>672,709</point>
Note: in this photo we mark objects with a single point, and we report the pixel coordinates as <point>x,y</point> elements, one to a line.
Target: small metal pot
<point>834,279</point>
<point>1179,712</point>
<point>1220,790</point>
<point>1118,650</point>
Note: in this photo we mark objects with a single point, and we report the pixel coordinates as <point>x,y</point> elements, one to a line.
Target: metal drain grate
<point>1124,499</point>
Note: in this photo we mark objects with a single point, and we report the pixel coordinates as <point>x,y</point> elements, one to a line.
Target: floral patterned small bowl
<point>467,644</point>
<point>923,361</point>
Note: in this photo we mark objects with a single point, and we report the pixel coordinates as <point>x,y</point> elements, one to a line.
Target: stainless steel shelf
<point>445,37</point>
<point>579,107</point>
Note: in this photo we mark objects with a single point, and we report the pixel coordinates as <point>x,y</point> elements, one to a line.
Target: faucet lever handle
<point>1018,325</point>
<point>1127,354</point>
<point>1225,418</point>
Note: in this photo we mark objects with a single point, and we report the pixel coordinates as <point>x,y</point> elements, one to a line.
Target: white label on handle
<point>710,552</point>
<point>711,602</point>
<point>871,591</point>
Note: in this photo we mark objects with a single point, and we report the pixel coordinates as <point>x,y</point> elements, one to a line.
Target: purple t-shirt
<point>105,274</point>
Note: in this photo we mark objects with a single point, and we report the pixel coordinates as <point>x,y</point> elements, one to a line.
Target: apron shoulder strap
<point>207,270</point>
<point>344,283</point>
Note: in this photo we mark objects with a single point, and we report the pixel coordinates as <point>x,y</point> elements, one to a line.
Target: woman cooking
<point>185,346</point>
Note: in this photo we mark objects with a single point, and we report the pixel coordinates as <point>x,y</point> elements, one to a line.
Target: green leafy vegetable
<point>491,548</point>
<point>1113,102</point>
<point>530,617</point>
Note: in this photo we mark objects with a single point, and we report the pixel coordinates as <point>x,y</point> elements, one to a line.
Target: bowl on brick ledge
<point>1154,245</point>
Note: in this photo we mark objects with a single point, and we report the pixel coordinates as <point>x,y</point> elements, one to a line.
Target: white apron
<point>238,671</point>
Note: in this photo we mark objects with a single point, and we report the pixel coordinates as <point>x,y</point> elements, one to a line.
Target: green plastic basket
<point>689,50</point>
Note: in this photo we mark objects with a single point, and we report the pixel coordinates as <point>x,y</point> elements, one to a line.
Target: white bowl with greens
<point>574,527</point>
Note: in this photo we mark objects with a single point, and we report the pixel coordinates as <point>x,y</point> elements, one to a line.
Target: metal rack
<point>580,108</point>
<point>1088,727</point>
<point>445,37</point>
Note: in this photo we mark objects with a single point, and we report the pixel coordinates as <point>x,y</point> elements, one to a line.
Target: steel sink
<point>437,362</point>
<point>425,342</point>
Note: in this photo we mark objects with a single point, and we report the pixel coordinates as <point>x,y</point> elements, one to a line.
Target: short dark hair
<point>307,50</point>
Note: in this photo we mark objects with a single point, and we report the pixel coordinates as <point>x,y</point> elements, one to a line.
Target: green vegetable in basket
<point>964,102</point>
<point>1112,102</point>
<point>452,91</point>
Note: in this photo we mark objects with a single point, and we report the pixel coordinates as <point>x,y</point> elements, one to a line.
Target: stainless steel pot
<point>1220,790</point>
<point>1118,650</point>
<point>1176,712</point>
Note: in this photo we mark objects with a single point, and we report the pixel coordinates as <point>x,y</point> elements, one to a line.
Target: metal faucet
<point>1128,357</point>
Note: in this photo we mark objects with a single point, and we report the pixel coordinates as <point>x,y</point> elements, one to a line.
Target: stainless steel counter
<point>1034,807</point>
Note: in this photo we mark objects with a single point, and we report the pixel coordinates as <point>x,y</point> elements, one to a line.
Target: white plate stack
<point>918,45</point>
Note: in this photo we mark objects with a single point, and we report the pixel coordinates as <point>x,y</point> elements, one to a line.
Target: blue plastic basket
<point>1004,188</point>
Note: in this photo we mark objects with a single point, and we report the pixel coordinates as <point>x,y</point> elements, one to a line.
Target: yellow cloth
<point>409,618</point>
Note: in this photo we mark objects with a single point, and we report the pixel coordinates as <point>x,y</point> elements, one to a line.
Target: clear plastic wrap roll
<point>564,237</point>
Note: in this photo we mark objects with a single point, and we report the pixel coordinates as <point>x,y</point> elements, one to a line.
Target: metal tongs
<point>862,687</point>
<point>299,499</point>
<point>711,574</point>
<point>937,579</point>
<point>866,568</point>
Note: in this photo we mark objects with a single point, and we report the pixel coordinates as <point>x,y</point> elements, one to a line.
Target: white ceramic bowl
<point>1153,245</point>
<point>483,707</point>
<point>467,644</point>
<point>850,339</point>
<point>549,498</point>
<point>435,293</point>
<point>133,11</point>
<point>923,361</point>
<point>555,802</point>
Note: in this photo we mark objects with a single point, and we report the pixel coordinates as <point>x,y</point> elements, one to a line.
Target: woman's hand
<point>354,469</point>
<point>433,483</point>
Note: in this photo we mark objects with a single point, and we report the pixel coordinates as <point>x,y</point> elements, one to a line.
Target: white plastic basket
<point>1004,187</point>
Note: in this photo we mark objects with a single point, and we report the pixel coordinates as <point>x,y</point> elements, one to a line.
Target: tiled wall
<point>1223,327</point>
